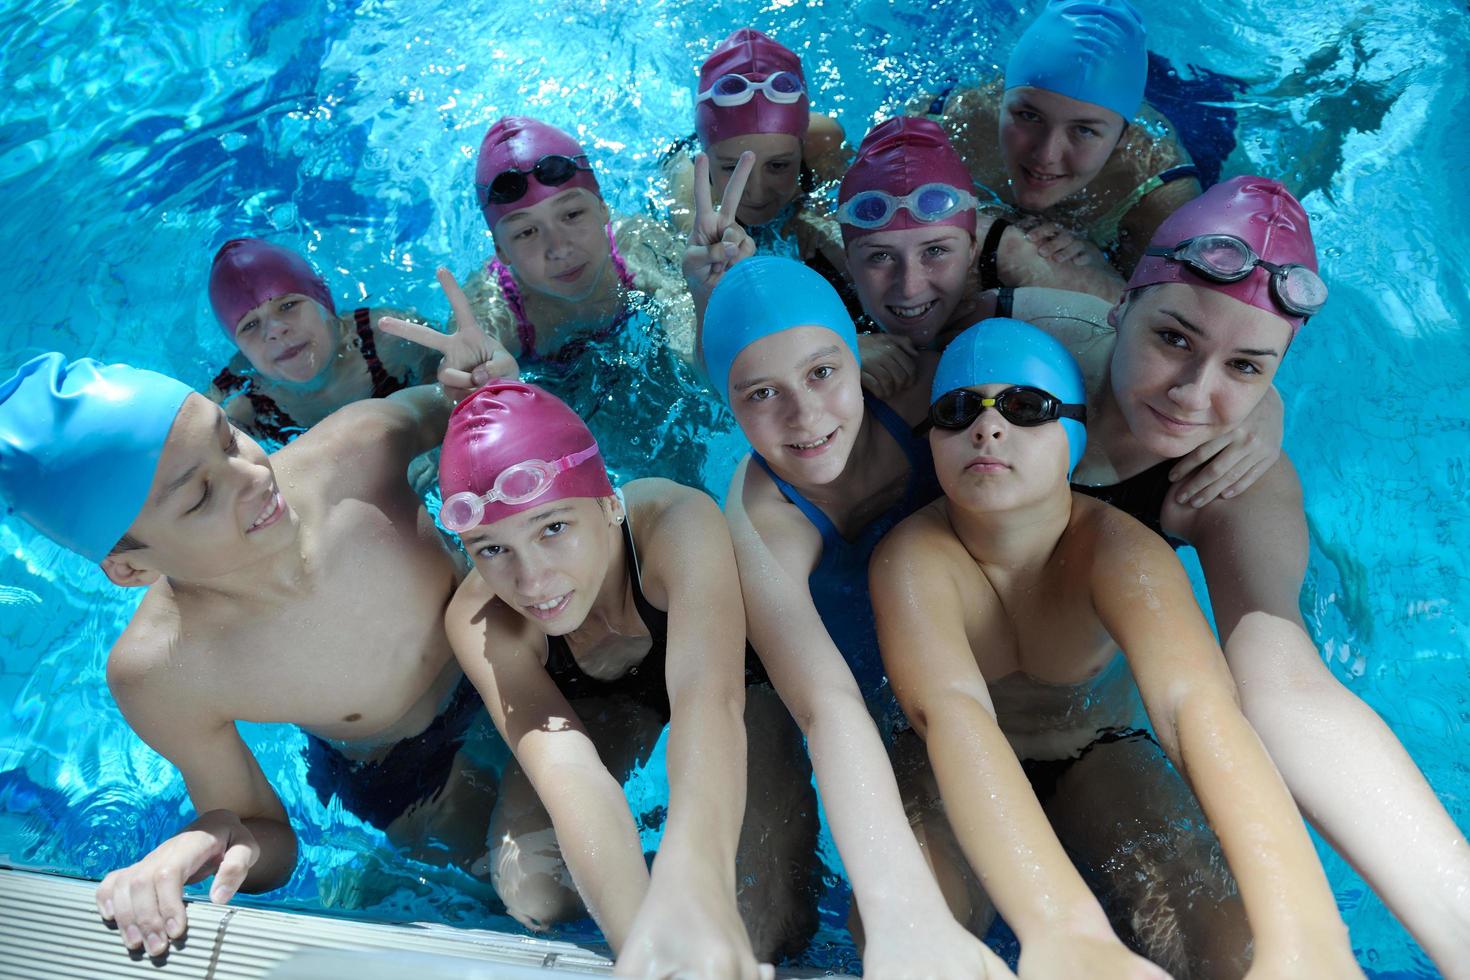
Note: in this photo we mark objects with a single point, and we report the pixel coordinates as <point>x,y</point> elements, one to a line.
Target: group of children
<point>1024,359</point>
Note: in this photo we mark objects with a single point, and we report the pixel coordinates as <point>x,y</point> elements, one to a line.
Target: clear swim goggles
<point>784,87</point>
<point>1019,405</point>
<point>518,484</point>
<point>1225,258</point>
<point>931,202</point>
<point>552,170</point>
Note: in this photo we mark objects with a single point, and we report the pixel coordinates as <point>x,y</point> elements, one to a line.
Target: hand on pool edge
<point>145,901</point>
<point>688,931</point>
<point>471,356</point>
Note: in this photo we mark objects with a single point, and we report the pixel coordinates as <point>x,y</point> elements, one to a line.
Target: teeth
<point>912,312</point>
<point>270,510</point>
<point>811,445</point>
<point>548,605</point>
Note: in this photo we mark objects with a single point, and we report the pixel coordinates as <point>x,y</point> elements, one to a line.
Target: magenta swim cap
<point>1258,210</point>
<point>517,143</point>
<point>898,156</point>
<point>755,57</point>
<point>249,271</point>
<point>509,422</point>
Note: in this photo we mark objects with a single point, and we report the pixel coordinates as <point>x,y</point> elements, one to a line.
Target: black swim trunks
<point>381,790</point>
<point>1046,773</point>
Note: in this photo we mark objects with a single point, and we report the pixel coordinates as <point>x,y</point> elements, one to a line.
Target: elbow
<point>834,713</point>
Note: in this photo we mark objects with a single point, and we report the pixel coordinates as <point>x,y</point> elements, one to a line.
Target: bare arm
<point>1139,224</point>
<point>1347,770</point>
<point>1142,596</point>
<point>825,148</point>
<point>594,827</point>
<point>909,927</point>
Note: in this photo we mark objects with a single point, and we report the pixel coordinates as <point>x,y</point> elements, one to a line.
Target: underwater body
<point>136,142</point>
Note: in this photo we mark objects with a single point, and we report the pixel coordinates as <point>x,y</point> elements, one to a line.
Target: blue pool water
<point>135,138</point>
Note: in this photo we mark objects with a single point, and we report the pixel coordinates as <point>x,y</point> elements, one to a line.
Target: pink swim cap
<point>248,272</point>
<point>1258,210</point>
<point>509,422</point>
<point>756,57</point>
<point>899,156</point>
<point>517,143</point>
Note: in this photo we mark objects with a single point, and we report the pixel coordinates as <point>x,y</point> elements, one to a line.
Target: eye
<point>823,371</point>
<point>246,327</point>
<point>1086,132</point>
<point>761,394</point>
<point>489,551</point>
<point>878,258</point>
<point>1026,115</point>
<point>1173,338</point>
<point>1246,367</point>
<point>575,215</point>
<point>203,499</point>
<point>288,304</point>
<point>232,448</point>
<point>778,166</point>
<point>524,234</point>
<point>937,251</point>
<point>553,529</point>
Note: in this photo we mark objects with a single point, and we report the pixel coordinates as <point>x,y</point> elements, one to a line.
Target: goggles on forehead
<point>518,484</point>
<point>552,170</point>
<point>784,87</point>
<point>1019,405</point>
<point>931,202</point>
<point>1226,258</point>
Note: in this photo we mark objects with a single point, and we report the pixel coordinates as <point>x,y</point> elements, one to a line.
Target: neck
<point>598,305</point>
<point>1015,539</point>
<point>612,595</point>
<point>274,581</point>
<point>1110,441</point>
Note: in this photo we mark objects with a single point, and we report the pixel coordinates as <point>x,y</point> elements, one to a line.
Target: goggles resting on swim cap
<point>783,88</point>
<point>931,202</point>
<point>517,484</point>
<point>552,170</point>
<point>1019,405</point>
<point>1226,258</point>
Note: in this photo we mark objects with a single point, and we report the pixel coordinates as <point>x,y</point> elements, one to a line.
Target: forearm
<point>274,837</point>
<point>429,409</point>
<point>1287,900</point>
<point>706,767</point>
<point>1357,784</point>
<point>890,880</point>
<point>1003,830</point>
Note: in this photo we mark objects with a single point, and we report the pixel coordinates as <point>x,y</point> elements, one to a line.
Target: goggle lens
<point>552,170</point>
<point>729,85</point>
<point>785,83</point>
<point>936,202</point>
<point>521,483</point>
<point>931,202</point>
<point>1225,258</point>
<point>461,512</point>
<point>1302,291</point>
<point>1018,405</point>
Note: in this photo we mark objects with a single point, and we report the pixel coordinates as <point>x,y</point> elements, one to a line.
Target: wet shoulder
<point>1107,541</point>
<point>1150,147</point>
<point>479,625</point>
<point>152,648</point>
<point>774,517</point>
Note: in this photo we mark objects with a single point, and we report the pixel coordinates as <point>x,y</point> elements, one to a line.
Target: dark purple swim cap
<point>249,271</point>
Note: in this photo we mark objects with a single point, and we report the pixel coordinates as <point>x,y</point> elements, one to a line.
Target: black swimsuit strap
<point>384,384</point>
<point>271,421</point>
<point>1005,301</point>
<point>989,258</point>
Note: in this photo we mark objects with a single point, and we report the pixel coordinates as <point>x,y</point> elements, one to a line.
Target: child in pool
<point>1224,286</point>
<point>1000,610</point>
<point>299,361</point>
<point>249,560</point>
<point>752,97</point>
<point>831,471</point>
<point>591,619</point>
<point>563,269</point>
<point>1065,138</point>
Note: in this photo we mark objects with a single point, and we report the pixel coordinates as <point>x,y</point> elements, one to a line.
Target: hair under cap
<point>79,445</point>
<point>249,271</point>
<point>1089,50</point>
<point>1005,351</point>
<point>761,296</point>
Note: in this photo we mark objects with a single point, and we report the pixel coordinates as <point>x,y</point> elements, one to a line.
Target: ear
<point>121,571</point>
<point>606,211</point>
<point>613,506</point>
<point>1115,315</point>
<point>499,253</point>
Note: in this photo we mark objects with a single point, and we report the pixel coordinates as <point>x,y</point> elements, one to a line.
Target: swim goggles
<point>515,485</point>
<point>552,170</point>
<point>1225,258</point>
<point>784,87</point>
<point>1019,405</point>
<point>931,202</point>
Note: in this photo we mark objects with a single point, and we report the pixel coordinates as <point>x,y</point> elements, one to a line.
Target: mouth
<point>550,608</point>
<point>290,352</point>
<point>572,275</point>
<point>910,314</point>
<point>274,510</point>
<point>1170,423</point>
<point>987,464</point>
<point>805,450</point>
<point>1040,178</point>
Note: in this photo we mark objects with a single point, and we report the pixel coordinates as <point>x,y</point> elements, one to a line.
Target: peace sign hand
<point>472,357</point>
<point>717,241</point>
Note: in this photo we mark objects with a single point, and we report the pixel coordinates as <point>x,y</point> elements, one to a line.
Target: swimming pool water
<point>136,138</point>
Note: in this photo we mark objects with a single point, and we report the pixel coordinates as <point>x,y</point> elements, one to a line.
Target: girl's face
<point>548,563</point>
<point>288,338</point>
<point>1191,363</point>
<point>774,182</point>
<point>798,398</point>
<point>911,281</point>
<point>994,466</point>
<point>1053,145</point>
<point>557,246</point>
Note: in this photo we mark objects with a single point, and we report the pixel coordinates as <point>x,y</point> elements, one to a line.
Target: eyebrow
<point>1085,120</point>
<point>815,355</point>
<point>1198,332</point>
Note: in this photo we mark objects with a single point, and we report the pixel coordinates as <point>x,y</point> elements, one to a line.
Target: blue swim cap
<point>1004,351</point>
<point>1091,50</point>
<point>764,295</point>
<point>79,444</point>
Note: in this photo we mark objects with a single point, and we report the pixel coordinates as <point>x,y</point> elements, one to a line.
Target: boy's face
<point>912,280</point>
<point>995,466</point>
<point>548,563</point>
<point>557,246</point>
<point>798,398</point>
<point>287,338</point>
<point>213,508</point>
<point>1191,363</point>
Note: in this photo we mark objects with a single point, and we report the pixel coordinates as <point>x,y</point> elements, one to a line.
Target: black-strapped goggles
<point>1225,258</point>
<point>552,170</point>
<point>1019,405</point>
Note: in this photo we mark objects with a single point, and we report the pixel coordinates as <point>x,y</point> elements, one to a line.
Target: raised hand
<point>471,357</point>
<point>717,241</point>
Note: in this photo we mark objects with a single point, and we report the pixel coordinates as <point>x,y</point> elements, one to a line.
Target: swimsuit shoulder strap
<point>625,278</point>
<point>653,617</point>
<point>525,330</point>
<point>809,510</point>
<point>989,254</point>
<point>384,384</point>
<point>271,421</point>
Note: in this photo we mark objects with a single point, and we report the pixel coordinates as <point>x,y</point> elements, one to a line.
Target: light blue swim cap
<point>1091,50</point>
<point>1012,352</point>
<point>79,444</point>
<point>764,295</point>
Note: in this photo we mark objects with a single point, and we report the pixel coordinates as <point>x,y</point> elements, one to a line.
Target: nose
<point>989,424</point>
<point>1191,388</point>
<point>1049,151</point>
<point>911,279</point>
<point>532,574</point>
<point>275,326</point>
<point>805,409</point>
<point>558,241</point>
<point>755,188</point>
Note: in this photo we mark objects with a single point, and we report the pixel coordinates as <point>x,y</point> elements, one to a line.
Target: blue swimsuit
<point>839,583</point>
